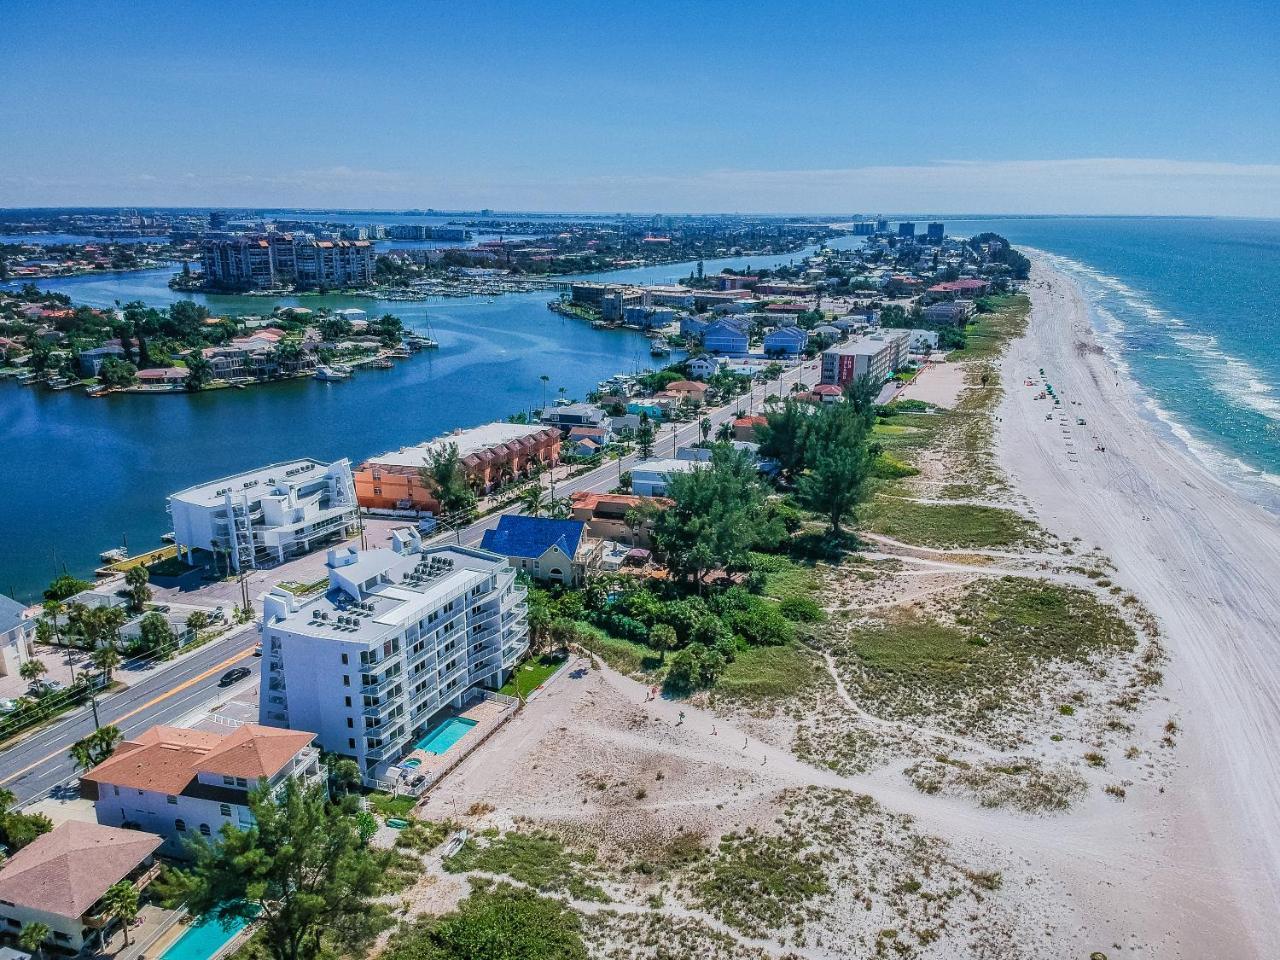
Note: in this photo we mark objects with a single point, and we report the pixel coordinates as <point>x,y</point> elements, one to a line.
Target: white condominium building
<point>267,515</point>
<point>401,634</point>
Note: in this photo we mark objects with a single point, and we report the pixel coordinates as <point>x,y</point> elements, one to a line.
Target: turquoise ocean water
<point>1190,309</point>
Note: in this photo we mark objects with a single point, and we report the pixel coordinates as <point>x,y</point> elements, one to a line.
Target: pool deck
<point>487,714</point>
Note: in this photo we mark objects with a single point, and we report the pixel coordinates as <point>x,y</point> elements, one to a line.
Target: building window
<point>229,781</point>
<point>351,744</point>
<point>224,809</point>
<point>344,659</point>
<point>204,830</point>
<point>346,680</point>
<point>116,790</point>
<point>171,799</point>
<point>180,825</point>
<point>350,723</point>
<point>347,701</point>
<point>241,782</point>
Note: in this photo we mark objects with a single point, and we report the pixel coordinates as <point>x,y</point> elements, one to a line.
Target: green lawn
<point>530,675</point>
<point>389,806</point>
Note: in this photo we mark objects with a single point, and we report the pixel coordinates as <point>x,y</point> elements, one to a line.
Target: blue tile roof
<point>531,537</point>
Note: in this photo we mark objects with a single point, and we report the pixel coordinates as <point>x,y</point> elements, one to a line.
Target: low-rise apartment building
<point>876,357</point>
<point>490,455</point>
<point>60,878</point>
<point>401,635</point>
<point>267,515</point>
<point>17,636</point>
<point>605,516</point>
<point>180,783</point>
<point>649,478</point>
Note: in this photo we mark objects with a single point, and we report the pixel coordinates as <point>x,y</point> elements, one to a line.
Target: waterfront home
<point>624,425</point>
<point>265,516</point>
<point>922,341</point>
<point>727,336</point>
<point>574,415</point>
<point>785,342</point>
<point>163,378</point>
<point>60,878</point>
<point>91,360</point>
<point>704,366</point>
<point>544,548</point>
<point>605,516</point>
<point>489,454</point>
<point>692,327</point>
<point>17,636</point>
<point>181,784</point>
<point>401,638</point>
<point>599,435</point>
<point>649,478</point>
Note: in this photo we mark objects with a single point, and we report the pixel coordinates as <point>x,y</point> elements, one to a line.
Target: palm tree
<point>533,500</point>
<point>32,937</point>
<point>545,380</point>
<point>52,608</point>
<point>106,658</point>
<point>559,508</point>
<point>32,669</point>
<point>725,432</point>
<point>704,428</point>
<point>137,578</point>
<point>122,900</point>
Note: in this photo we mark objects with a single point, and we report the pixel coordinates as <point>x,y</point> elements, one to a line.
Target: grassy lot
<point>530,675</point>
<point>389,806</point>
<point>947,525</point>
<point>987,335</point>
<point>1006,633</point>
<point>764,673</point>
<point>784,577</point>
<point>539,860</point>
<point>624,656</point>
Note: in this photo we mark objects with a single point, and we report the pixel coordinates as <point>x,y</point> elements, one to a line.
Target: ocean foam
<point>1259,485</point>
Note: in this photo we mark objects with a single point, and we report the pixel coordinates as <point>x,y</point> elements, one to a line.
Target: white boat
<point>333,372</point>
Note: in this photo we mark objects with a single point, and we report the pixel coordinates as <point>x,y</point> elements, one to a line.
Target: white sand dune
<point>1206,561</point>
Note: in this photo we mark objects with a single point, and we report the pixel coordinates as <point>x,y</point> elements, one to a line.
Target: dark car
<point>234,676</point>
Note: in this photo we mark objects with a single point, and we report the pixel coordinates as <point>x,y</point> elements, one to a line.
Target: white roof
<point>260,481</point>
<point>664,465</point>
<point>468,441</point>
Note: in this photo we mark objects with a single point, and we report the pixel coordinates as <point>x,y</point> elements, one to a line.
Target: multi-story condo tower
<point>267,515</point>
<point>401,635</point>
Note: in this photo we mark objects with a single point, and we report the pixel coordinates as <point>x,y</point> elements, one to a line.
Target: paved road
<point>40,762</point>
<point>605,477</point>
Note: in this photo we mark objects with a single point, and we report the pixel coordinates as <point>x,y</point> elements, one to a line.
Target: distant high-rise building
<point>262,261</point>
<point>864,229</point>
<point>936,233</point>
<point>906,229</point>
<point>882,225</point>
<point>217,220</point>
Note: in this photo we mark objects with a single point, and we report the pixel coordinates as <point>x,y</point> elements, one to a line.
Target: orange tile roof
<point>67,870</point>
<point>167,759</point>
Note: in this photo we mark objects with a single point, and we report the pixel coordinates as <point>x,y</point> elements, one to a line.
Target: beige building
<point>60,878</point>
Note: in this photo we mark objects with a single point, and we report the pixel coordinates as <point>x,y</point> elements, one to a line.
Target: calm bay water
<point>84,473</point>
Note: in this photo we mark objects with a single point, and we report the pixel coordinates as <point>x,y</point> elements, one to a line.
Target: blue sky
<point>826,107</point>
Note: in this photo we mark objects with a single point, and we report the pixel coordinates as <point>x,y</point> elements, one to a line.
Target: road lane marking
<point>248,652</point>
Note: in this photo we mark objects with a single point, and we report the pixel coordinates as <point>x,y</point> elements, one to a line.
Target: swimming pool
<point>202,940</point>
<point>444,735</point>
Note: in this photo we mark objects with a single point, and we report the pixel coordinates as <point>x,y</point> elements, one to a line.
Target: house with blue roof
<point>785,342</point>
<point>544,548</point>
<point>726,337</point>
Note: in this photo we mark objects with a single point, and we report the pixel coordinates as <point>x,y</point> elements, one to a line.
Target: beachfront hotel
<point>876,357</point>
<point>383,663</point>
<point>491,454</point>
<point>265,516</point>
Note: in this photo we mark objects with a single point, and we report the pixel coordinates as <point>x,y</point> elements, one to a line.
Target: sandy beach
<point>1207,562</point>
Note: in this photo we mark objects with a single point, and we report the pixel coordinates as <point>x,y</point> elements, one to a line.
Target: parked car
<point>7,705</point>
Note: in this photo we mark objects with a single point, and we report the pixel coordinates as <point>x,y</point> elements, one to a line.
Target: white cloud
<point>1081,186</point>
